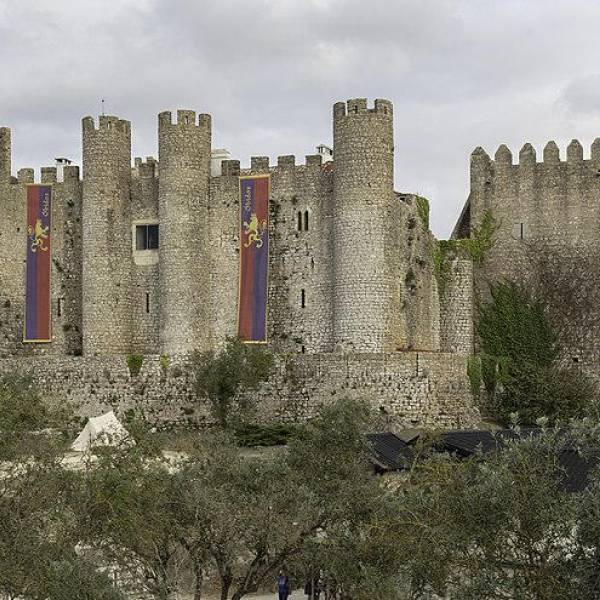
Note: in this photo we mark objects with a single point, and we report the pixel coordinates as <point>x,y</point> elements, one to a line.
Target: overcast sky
<point>460,74</point>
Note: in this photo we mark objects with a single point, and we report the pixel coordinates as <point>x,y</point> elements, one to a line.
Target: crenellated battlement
<point>106,123</point>
<point>359,106</point>
<point>230,168</point>
<point>184,118</point>
<point>48,175</point>
<point>145,168</point>
<point>527,155</point>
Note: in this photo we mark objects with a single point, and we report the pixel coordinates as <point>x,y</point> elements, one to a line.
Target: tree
<point>126,516</point>
<point>497,526</point>
<point>519,361</point>
<point>250,516</point>
<point>237,369</point>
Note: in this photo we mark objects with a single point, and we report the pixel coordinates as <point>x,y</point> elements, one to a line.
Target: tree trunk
<point>198,573</point>
<point>225,585</point>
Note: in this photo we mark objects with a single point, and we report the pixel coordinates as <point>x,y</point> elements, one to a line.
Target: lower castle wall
<point>411,388</point>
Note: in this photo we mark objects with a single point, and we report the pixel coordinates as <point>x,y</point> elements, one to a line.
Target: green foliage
<point>135,362</point>
<point>275,434</point>
<point>501,527</point>
<point>238,368</point>
<point>474,374</point>
<point>475,247</point>
<point>164,361</point>
<point>519,363</point>
<point>423,210</point>
<point>24,413</point>
<point>515,327</point>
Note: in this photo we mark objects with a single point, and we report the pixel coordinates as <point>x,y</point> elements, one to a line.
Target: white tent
<point>105,430</point>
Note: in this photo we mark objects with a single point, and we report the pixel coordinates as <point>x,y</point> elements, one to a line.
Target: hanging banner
<point>254,258</point>
<point>37,292</point>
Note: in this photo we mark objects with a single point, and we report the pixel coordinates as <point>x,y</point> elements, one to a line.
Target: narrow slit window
<point>59,307</point>
<point>521,232</point>
<point>303,299</point>
<point>299,221</point>
<point>305,220</point>
<point>147,302</point>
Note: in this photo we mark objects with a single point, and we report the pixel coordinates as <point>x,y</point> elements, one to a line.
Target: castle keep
<point>145,259</point>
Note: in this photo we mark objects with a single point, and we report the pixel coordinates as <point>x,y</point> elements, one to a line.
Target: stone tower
<point>184,183</point>
<point>366,279</point>
<point>106,236</point>
<point>5,158</point>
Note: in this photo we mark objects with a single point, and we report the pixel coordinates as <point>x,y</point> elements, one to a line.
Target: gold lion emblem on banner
<point>38,235</point>
<point>254,230</point>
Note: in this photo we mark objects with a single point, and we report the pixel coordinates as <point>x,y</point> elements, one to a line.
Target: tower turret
<point>184,180</point>
<point>366,273</point>
<point>5,157</point>
<point>106,235</point>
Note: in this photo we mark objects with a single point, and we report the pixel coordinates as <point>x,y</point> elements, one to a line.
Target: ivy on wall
<point>423,210</point>
<point>475,247</point>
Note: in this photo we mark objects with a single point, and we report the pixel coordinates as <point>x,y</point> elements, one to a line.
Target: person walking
<point>283,585</point>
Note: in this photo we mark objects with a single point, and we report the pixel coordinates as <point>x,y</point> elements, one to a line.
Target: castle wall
<point>456,307</point>
<point>412,389</point>
<point>145,288</point>
<point>420,298</point>
<point>547,207</point>
<point>65,276</point>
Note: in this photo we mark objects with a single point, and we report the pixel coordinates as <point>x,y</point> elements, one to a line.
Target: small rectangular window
<point>59,307</point>
<point>519,231</point>
<point>147,302</point>
<point>146,237</point>
<point>303,299</point>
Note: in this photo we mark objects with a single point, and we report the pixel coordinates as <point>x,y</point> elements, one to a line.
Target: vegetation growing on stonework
<point>423,210</point>
<point>519,363</point>
<point>475,247</point>
<point>237,369</point>
<point>135,362</point>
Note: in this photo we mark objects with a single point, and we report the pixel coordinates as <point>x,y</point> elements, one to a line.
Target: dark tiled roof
<point>388,451</point>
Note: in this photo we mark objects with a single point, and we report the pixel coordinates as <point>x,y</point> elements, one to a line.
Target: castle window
<point>59,307</point>
<point>303,299</point>
<point>147,302</point>
<point>299,221</point>
<point>146,237</point>
<point>519,231</point>
<point>305,220</point>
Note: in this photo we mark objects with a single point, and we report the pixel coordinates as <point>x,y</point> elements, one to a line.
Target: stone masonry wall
<point>413,389</point>
<point>550,205</point>
<point>65,276</point>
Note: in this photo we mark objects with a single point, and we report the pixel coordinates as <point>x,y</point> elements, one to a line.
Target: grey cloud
<point>460,74</point>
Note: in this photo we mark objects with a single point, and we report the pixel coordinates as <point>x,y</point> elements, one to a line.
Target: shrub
<point>135,362</point>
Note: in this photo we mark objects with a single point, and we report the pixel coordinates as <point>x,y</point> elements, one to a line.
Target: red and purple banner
<point>254,258</point>
<point>37,294</point>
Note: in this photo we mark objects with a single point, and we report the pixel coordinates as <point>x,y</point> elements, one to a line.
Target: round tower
<point>184,180</point>
<point>106,236</point>
<point>366,260</point>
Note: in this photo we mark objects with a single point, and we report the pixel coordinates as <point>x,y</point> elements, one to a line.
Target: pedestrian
<point>312,587</point>
<point>283,585</point>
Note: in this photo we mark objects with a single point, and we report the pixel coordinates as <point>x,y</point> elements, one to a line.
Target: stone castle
<point>145,259</point>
